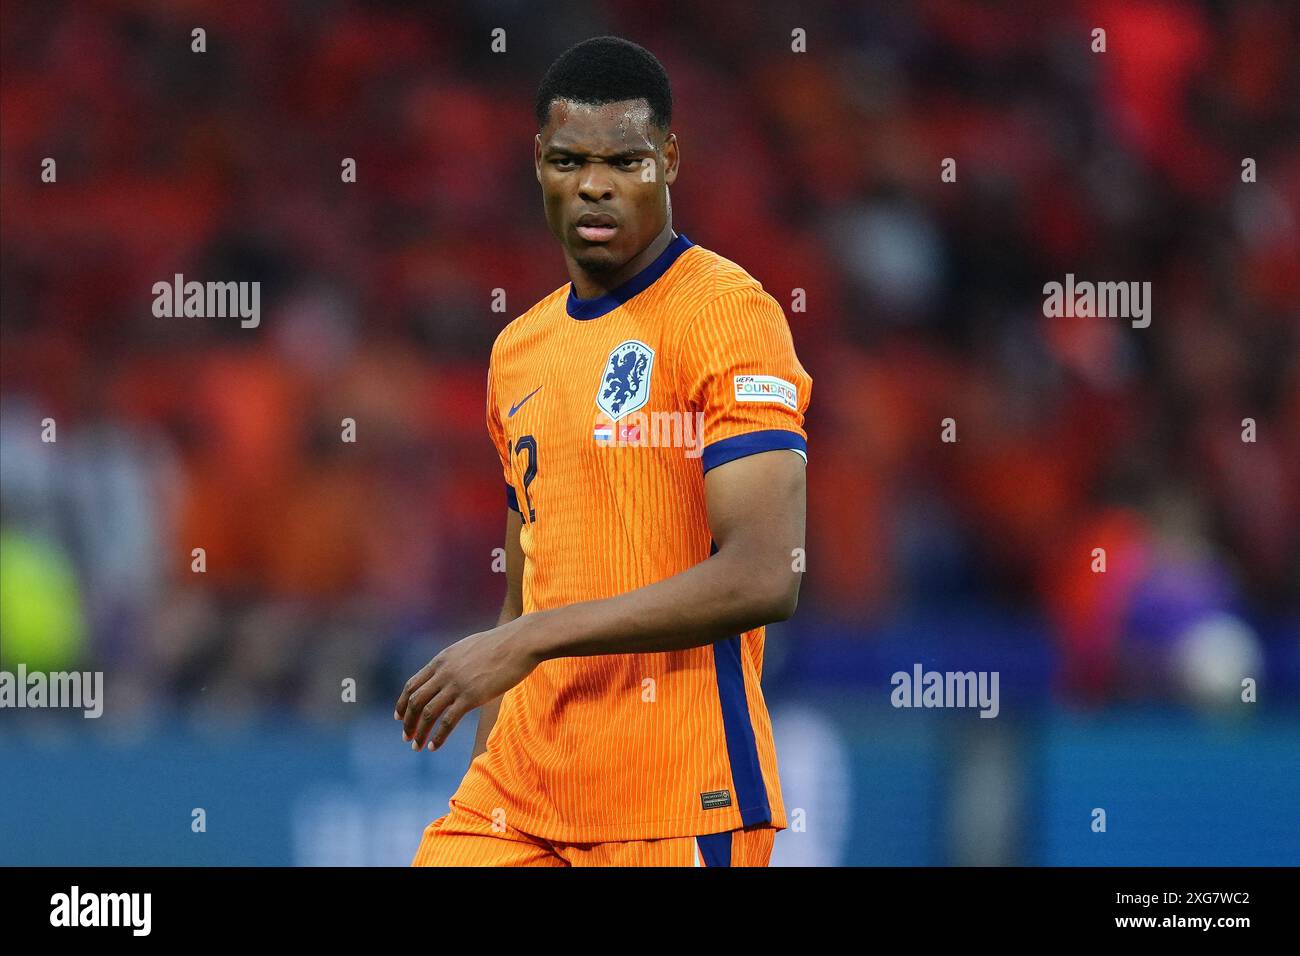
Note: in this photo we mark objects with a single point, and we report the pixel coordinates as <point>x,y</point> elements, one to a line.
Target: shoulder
<point>725,294</point>
<point>708,276</point>
<point>522,326</point>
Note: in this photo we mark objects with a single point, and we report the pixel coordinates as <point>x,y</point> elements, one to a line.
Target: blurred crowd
<point>817,170</point>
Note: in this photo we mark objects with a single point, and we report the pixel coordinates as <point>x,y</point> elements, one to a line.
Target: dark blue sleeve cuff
<point>751,443</point>
<point>512,499</point>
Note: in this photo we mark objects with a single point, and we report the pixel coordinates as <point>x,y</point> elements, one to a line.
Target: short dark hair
<point>607,70</point>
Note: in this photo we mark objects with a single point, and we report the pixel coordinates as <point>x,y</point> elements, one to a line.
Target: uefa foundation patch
<point>766,388</point>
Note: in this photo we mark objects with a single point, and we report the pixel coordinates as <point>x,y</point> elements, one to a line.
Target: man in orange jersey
<point>649,420</point>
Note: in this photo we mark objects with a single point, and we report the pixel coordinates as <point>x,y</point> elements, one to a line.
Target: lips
<point>596,227</point>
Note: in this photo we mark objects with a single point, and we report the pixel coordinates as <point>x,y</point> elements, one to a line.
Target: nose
<point>597,182</point>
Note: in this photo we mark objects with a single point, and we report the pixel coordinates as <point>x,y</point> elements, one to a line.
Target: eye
<point>633,162</point>
<point>564,161</point>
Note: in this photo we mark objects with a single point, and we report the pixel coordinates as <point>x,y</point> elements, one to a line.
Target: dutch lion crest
<point>625,386</point>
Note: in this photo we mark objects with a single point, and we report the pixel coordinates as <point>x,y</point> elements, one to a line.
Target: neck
<point>590,286</point>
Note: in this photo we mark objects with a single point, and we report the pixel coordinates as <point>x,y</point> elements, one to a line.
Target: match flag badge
<point>606,432</point>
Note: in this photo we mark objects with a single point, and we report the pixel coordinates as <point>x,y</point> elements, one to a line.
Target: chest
<point>586,409</point>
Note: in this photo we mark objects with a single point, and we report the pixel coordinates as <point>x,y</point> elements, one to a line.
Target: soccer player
<point>649,420</point>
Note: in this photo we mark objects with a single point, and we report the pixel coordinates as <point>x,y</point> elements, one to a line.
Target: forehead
<point>609,127</point>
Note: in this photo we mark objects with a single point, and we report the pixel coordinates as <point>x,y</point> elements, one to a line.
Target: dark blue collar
<point>594,308</point>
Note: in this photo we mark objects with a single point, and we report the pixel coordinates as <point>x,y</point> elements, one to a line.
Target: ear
<point>537,156</point>
<point>672,158</point>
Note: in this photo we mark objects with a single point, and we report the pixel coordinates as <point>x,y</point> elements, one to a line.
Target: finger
<point>422,675</point>
<point>447,723</point>
<point>430,712</point>
<point>416,703</point>
<point>417,697</point>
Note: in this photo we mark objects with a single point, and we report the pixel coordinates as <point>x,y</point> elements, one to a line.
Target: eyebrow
<point>623,154</point>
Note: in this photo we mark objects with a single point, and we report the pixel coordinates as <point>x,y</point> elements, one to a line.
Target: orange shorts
<point>465,837</point>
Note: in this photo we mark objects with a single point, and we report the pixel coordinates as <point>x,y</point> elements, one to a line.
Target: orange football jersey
<point>606,414</point>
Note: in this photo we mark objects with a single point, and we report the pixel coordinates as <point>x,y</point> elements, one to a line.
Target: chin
<point>597,260</point>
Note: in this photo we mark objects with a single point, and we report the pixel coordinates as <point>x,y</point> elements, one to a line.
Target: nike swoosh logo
<point>515,408</point>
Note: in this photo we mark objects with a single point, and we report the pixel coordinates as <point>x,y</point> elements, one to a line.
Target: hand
<point>465,675</point>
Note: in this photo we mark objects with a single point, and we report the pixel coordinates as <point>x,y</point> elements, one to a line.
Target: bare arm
<point>511,608</point>
<point>756,515</point>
